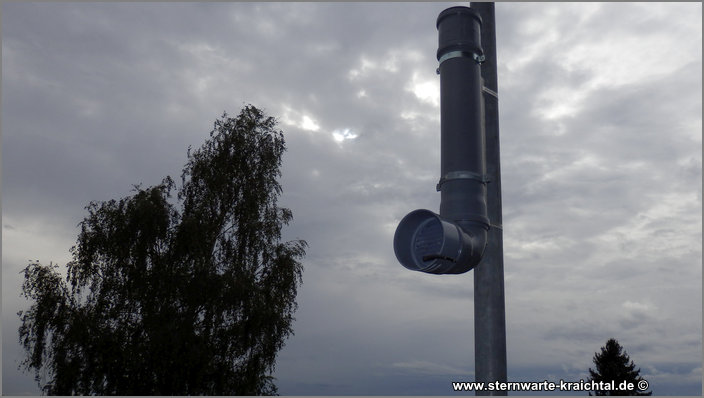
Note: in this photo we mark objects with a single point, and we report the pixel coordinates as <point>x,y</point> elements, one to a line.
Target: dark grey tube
<point>454,241</point>
<point>463,180</point>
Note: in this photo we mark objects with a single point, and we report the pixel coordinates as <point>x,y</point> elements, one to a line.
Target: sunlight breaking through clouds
<point>298,119</point>
<point>342,135</point>
<point>427,91</point>
<point>309,124</point>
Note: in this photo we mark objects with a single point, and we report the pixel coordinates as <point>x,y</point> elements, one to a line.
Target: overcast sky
<point>601,139</point>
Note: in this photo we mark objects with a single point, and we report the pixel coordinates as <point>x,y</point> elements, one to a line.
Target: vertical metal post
<point>489,306</point>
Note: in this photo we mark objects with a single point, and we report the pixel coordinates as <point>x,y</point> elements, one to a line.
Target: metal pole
<point>489,307</point>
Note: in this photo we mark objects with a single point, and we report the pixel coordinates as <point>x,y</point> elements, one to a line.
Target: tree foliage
<point>195,297</point>
<point>614,364</point>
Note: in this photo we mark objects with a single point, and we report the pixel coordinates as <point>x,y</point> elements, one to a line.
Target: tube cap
<point>459,29</point>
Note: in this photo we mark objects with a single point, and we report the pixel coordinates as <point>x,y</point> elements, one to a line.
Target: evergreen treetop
<point>614,364</point>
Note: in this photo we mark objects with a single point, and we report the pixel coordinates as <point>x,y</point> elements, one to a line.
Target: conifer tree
<point>614,364</point>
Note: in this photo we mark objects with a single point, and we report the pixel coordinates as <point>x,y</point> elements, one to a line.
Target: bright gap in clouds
<point>298,119</point>
<point>309,124</point>
<point>427,91</point>
<point>341,135</point>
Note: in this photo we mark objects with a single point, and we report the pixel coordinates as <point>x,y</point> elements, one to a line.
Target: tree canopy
<point>174,296</point>
<point>614,364</point>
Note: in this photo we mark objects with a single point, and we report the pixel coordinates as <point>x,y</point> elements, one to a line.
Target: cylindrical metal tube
<point>454,241</point>
<point>463,182</point>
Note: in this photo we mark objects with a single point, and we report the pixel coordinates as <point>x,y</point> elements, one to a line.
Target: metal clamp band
<point>462,175</point>
<point>478,57</point>
<point>490,92</point>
